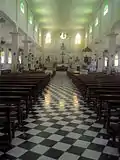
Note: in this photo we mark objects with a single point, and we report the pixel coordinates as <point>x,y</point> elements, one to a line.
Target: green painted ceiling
<point>63,14</point>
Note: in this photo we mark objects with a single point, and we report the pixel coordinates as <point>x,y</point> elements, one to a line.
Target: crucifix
<point>62,54</point>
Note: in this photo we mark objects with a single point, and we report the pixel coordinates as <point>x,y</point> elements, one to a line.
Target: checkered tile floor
<point>61,127</point>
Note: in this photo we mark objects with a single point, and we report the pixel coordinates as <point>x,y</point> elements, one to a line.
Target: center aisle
<point>61,127</point>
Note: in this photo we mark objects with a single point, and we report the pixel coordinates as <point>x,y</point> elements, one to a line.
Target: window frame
<point>106,62</point>
<point>30,20</point>
<point>78,38</point>
<point>22,6</point>
<point>106,9</point>
<point>96,22</point>
<point>9,57</point>
<point>48,38</point>
<point>90,30</point>
<point>116,60</point>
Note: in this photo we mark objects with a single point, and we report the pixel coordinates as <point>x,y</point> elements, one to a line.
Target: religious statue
<point>47,60</point>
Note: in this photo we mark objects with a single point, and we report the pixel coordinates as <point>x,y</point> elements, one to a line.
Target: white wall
<point>9,8</point>
<point>22,18</point>
<point>36,32</point>
<point>54,48</point>
<point>30,26</point>
<point>107,24</point>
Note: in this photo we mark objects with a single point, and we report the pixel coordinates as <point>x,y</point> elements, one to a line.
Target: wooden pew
<point>16,88</point>
<point>104,93</point>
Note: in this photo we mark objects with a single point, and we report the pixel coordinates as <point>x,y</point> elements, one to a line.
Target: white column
<point>33,48</point>
<point>15,46</point>
<point>118,61</point>
<point>26,53</point>
<point>0,61</point>
<point>38,52</point>
<point>6,54</point>
<point>42,46</point>
<point>99,56</point>
<point>100,62</point>
<point>33,51</point>
<point>112,48</point>
<point>86,38</point>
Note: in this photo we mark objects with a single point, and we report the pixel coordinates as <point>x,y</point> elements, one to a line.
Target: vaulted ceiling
<point>63,14</point>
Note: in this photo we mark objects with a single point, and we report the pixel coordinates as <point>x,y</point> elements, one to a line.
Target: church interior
<point>59,80</point>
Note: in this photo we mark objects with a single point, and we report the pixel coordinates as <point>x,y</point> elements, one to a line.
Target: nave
<point>61,126</point>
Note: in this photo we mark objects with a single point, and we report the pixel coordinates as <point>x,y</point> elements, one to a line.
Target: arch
<point>116,60</point>
<point>2,57</point>
<point>78,38</point>
<point>9,57</point>
<point>48,38</point>
<point>115,26</point>
<point>106,61</point>
<point>116,29</point>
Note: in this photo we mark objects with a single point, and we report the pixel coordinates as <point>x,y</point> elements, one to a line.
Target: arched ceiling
<point>63,14</point>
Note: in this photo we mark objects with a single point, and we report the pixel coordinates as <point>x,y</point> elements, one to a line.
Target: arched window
<point>106,62</point>
<point>90,29</point>
<point>2,57</point>
<point>22,7</point>
<point>116,60</point>
<point>105,9</point>
<point>36,28</point>
<point>78,39</point>
<point>20,59</point>
<point>9,57</point>
<point>96,22</point>
<point>48,38</point>
<point>30,19</point>
<point>40,38</point>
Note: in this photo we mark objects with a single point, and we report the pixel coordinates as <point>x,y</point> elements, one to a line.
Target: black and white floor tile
<point>61,127</point>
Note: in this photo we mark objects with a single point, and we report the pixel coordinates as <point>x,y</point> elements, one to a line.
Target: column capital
<point>14,33</point>
<point>112,34</point>
<point>33,44</point>
<point>27,41</point>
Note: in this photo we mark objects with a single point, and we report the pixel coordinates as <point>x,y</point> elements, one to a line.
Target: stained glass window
<point>105,9</point>
<point>22,7</point>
